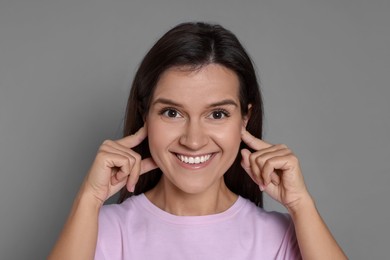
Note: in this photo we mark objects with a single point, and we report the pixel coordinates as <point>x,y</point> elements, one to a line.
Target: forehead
<point>209,82</point>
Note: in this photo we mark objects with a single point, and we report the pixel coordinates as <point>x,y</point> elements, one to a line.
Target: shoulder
<point>113,224</point>
<point>273,231</point>
<point>278,222</point>
<point>116,214</point>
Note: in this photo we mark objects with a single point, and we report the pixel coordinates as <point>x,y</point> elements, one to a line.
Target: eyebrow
<point>224,102</point>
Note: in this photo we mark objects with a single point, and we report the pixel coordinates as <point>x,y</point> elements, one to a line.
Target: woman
<point>192,167</point>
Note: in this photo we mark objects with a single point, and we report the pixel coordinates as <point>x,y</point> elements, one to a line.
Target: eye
<point>219,114</point>
<point>170,112</point>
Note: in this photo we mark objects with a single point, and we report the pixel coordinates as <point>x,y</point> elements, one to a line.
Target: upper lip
<point>193,155</point>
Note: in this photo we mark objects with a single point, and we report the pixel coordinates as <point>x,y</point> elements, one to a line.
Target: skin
<point>115,166</point>
<point>185,118</point>
<point>194,114</point>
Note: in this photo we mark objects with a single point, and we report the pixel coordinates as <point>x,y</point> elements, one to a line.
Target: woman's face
<point>194,126</point>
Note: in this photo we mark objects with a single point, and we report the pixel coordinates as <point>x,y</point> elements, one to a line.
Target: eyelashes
<point>217,114</point>
<point>170,112</point>
<point>220,114</point>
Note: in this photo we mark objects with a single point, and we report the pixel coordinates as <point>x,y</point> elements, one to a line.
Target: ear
<point>247,116</point>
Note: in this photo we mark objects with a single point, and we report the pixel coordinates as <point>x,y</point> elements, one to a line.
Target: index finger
<point>252,141</point>
<point>134,139</point>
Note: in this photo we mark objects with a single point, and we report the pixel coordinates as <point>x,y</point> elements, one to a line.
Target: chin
<point>192,187</point>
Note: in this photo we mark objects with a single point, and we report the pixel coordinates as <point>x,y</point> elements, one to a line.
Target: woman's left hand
<point>275,169</point>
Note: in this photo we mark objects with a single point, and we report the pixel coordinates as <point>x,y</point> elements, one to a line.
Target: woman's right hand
<point>117,165</point>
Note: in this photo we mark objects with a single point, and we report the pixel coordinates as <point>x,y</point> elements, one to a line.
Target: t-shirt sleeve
<point>289,248</point>
<point>109,234</point>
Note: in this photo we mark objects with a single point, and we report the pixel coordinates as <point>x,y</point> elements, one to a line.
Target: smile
<point>194,160</point>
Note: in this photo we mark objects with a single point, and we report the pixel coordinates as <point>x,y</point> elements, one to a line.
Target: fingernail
<point>132,188</point>
<point>261,186</point>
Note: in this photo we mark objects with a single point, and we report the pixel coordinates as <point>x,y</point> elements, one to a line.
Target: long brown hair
<point>195,45</point>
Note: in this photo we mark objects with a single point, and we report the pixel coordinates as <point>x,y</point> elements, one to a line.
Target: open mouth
<point>195,159</point>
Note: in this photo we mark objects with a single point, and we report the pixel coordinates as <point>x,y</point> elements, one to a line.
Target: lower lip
<point>195,166</point>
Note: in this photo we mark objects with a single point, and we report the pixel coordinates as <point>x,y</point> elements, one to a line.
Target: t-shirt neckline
<point>185,220</point>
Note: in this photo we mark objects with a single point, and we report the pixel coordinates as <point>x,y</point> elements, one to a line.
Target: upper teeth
<point>193,160</point>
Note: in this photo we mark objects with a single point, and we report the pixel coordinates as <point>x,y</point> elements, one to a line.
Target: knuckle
<point>254,157</point>
<point>107,142</point>
<point>103,148</point>
<point>260,161</point>
<point>101,154</point>
<point>293,158</point>
<point>137,157</point>
<point>132,160</point>
<point>267,164</point>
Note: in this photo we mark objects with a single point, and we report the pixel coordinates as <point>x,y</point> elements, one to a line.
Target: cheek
<point>160,134</point>
<point>229,135</point>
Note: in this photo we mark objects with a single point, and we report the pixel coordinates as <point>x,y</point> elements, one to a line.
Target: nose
<point>194,136</point>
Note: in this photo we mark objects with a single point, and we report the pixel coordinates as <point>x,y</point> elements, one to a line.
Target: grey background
<point>65,71</point>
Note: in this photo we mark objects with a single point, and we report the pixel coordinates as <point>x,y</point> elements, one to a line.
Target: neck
<point>177,202</point>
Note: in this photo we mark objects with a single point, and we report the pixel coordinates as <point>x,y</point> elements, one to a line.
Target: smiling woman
<point>192,167</point>
<point>195,115</point>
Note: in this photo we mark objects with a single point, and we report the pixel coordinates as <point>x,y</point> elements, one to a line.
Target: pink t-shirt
<point>137,229</point>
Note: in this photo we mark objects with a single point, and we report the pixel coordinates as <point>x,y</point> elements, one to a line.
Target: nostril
<point>193,136</point>
<point>193,142</point>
